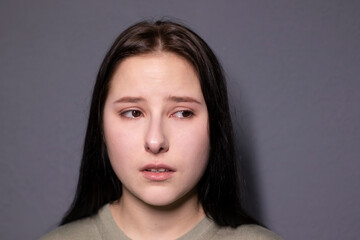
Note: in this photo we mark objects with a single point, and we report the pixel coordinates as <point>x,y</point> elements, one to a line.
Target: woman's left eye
<point>183,114</point>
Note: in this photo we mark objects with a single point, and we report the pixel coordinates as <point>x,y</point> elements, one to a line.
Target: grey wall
<point>293,71</point>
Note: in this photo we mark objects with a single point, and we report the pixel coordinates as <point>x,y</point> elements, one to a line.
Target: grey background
<point>293,71</point>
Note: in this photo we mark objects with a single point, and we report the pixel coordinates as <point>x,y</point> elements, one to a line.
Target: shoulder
<point>78,230</point>
<point>249,231</point>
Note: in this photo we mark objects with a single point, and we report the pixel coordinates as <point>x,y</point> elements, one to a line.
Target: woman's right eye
<point>131,114</point>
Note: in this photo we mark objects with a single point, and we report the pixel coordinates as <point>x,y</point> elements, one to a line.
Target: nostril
<point>157,148</point>
<point>162,150</point>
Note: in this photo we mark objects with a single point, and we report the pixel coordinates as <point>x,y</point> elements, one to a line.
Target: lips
<point>157,172</point>
<point>160,170</point>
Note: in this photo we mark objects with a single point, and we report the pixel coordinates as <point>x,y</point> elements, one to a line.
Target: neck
<point>139,220</point>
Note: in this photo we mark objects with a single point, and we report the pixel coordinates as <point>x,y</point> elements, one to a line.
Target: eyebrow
<point>182,99</point>
<point>178,99</point>
<point>130,100</point>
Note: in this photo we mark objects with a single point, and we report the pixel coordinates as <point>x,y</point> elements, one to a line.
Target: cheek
<point>121,141</point>
<point>119,138</point>
<point>122,147</point>
<point>195,146</point>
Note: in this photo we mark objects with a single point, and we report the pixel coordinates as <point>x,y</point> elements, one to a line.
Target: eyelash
<point>191,114</point>
<point>136,112</point>
<point>123,114</point>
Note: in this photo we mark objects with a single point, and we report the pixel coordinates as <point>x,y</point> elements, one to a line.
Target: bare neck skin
<point>139,220</point>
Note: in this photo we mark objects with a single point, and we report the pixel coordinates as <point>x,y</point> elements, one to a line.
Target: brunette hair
<point>218,189</point>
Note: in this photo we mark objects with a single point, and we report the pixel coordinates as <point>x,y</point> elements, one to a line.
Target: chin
<point>168,200</point>
<point>160,200</point>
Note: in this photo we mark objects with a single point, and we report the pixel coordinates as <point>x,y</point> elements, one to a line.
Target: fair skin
<point>157,137</point>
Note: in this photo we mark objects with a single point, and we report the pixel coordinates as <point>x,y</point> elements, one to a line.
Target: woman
<point>158,160</point>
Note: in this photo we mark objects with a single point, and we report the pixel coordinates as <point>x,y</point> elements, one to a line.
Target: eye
<point>183,114</point>
<point>131,114</point>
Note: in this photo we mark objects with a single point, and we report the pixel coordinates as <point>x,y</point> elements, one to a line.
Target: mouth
<point>159,167</point>
<point>157,172</point>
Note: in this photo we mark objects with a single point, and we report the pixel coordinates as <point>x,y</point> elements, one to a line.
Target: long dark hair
<point>218,189</point>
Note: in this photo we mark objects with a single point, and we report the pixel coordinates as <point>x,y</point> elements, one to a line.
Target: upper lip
<point>157,166</point>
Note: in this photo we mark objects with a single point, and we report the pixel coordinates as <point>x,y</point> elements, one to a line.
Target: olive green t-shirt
<point>102,226</point>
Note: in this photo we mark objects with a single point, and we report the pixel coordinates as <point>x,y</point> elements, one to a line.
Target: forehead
<point>158,72</point>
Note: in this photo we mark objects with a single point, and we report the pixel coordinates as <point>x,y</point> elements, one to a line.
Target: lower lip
<point>157,176</point>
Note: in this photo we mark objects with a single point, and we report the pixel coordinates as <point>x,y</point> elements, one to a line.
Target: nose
<point>156,141</point>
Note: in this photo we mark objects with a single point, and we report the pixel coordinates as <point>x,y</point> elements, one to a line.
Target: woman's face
<point>156,128</point>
